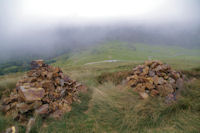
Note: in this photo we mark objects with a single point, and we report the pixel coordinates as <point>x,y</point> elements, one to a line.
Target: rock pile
<point>44,91</point>
<point>155,78</point>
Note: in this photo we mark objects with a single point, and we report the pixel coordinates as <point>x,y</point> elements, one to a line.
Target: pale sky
<point>89,9</point>
<point>16,15</point>
<point>101,10</point>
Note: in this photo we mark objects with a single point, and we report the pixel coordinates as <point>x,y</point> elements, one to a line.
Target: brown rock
<point>31,94</point>
<point>164,90</point>
<point>145,71</point>
<point>23,107</point>
<point>151,73</point>
<point>42,110</point>
<point>57,81</point>
<point>154,92</point>
<point>44,74</point>
<point>49,75</point>
<point>168,88</point>
<point>140,88</point>
<point>47,84</point>
<point>5,108</point>
<point>143,95</point>
<point>37,63</point>
<point>161,81</point>
<point>155,79</point>
<point>149,86</point>
<point>30,124</point>
<point>36,105</point>
<point>57,114</point>
<point>132,82</point>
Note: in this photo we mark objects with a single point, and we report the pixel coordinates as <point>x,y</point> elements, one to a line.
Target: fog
<point>47,28</point>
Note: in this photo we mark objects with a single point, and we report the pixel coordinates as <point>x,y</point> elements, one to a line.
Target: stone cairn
<point>155,78</point>
<point>44,91</point>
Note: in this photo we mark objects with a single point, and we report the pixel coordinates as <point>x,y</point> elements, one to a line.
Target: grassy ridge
<point>112,108</point>
<point>131,52</point>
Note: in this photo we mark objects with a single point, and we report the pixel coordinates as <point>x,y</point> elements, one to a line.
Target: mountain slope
<point>127,52</point>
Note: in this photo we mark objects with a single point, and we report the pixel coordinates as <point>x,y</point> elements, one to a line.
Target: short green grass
<point>108,107</point>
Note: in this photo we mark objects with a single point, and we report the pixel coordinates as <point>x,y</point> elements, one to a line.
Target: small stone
<point>5,108</point>
<point>139,88</point>
<point>155,79</point>
<point>154,92</point>
<point>161,81</point>
<point>37,63</point>
<point>11,130</point>
<point>42,110</point>
<point>149,86</point>
<point>151,73</point>
<point>23,107</point>
<point>145,71</point>
<point>143,95</point>
<point>30,124</point>
<point>36,105</point>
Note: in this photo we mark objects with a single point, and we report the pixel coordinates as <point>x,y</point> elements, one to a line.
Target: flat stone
<point>42,110</point>
<point>30,124</point>
<point>23,107</point>
<point>31,94</point>
<point>36,105</point>
<point>37,63</point>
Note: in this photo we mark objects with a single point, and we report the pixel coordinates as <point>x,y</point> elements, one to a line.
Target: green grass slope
<point>127,52</point>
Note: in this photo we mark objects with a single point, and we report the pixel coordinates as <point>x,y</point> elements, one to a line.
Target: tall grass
<point>112,108</point>
<point>121,110</point>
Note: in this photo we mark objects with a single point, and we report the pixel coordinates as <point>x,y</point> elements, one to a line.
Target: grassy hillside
<point>127,52</point>
<point>109,107</point>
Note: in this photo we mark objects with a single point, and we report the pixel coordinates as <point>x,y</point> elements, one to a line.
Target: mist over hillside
<point>54,41</point>
<point>33,29</point>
